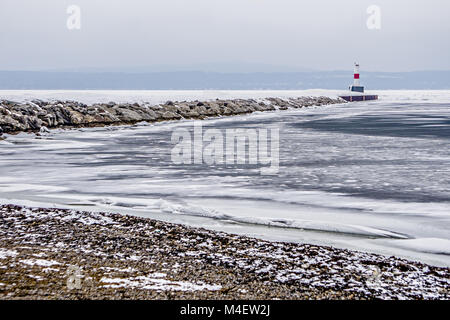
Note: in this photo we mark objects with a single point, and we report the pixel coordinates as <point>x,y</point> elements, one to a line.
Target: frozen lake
<point>371,176</point>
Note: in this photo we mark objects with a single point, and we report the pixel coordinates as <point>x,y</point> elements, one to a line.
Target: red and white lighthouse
<point>356,87</point>
<point>357,90</point>
<point>356,76</point>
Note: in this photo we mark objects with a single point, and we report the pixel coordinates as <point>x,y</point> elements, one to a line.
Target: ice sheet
<point>372,175</point>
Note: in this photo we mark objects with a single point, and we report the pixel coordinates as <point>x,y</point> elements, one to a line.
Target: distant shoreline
<point>200,80</point>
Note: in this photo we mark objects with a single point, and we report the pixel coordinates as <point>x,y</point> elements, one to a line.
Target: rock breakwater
<point>37,115</point>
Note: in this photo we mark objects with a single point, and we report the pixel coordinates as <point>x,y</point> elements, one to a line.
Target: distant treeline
<point>220,81</point>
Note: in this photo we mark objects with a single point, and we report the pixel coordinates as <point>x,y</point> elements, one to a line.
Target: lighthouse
<point>357,90</point>
<point>356,87</point>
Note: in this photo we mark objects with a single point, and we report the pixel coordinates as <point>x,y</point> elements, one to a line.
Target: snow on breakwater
<point>38,114</point>
<point>157,96</point>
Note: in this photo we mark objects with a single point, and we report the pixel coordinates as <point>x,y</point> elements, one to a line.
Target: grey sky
<point>319,34</point>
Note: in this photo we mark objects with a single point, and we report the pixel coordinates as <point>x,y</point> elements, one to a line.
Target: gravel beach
<point>65,254</point>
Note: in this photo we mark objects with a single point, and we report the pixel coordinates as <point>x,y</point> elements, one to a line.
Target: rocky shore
<point>39,115</point>
<point>65,254</point>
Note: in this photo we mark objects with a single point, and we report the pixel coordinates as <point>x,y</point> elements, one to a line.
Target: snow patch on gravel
<point>4,253</point>
<point>156,281</point>
<point>39,262</point>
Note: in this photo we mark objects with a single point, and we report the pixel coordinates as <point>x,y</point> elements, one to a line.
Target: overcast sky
<point>221,34</point>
